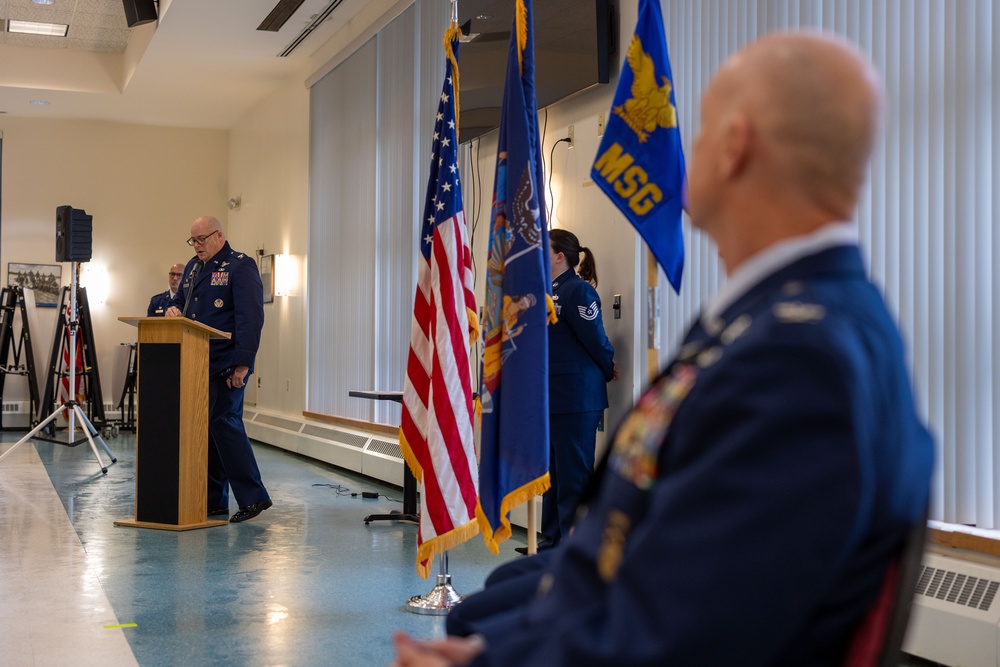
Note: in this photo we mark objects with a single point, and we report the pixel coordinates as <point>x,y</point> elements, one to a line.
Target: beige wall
<point>269,170</point>
<point>143,185</point>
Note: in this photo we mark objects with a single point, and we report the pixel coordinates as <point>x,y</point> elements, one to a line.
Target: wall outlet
<point>600,124</point>
<point>570,135</point>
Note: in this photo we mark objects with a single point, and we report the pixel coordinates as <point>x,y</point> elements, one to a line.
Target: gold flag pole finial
<point>454,32</point>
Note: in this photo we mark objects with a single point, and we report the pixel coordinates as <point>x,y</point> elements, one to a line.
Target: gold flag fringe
<point>438,545</point>
<point>493,539</point>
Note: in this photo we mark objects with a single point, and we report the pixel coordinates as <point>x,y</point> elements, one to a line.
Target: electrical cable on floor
<point>368,495</point>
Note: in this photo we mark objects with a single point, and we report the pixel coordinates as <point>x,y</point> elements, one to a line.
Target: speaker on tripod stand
<point>74,235</point>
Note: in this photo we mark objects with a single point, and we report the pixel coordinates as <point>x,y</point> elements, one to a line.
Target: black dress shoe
<point>219,511</point>
<point>541,546</point>
<point>250,511</point>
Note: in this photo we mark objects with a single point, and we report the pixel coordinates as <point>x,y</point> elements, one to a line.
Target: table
<point>409,512</point>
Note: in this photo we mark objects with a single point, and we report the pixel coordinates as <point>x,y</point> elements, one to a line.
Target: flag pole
<point>441,598</point>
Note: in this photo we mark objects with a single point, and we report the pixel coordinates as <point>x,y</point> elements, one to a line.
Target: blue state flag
<point>640,163</point>
<point>514,448</point>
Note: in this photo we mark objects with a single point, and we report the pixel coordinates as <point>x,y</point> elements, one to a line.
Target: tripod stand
<point>71,405</point>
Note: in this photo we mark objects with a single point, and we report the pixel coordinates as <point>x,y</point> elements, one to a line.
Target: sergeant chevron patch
<point>590,312</point>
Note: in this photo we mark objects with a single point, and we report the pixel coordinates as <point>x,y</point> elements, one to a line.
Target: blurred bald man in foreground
<point>752,502</point>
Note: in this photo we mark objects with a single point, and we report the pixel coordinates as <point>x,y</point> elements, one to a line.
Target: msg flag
<point>640,163</point>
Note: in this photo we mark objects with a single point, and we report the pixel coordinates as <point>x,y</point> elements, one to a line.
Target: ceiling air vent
<point>315,23</point>
<point>279,15</point>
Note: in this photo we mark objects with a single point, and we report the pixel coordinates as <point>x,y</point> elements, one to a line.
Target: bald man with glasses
<point>222,289</point>
<point>159,303</point>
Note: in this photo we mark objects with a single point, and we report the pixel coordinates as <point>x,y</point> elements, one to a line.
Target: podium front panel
<point>158,460</point>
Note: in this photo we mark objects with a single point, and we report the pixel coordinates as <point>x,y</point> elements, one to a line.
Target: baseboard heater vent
<point>957,587</point>
<point>953,620</point>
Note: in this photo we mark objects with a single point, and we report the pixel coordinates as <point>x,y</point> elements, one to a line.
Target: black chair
<point>879,639</point>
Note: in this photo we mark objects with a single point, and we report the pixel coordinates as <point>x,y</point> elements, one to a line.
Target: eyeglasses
<point>200,240</point>
<point>175,275</point>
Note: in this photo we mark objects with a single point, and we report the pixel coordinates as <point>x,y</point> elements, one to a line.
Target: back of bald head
<point>816,102</point>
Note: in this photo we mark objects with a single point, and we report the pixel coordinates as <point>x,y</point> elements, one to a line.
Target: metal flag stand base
<point>441,598</point>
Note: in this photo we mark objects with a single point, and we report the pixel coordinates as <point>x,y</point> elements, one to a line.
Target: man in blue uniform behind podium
<point>159,303</point>
<point>755,497</point>
<point>222,289</point>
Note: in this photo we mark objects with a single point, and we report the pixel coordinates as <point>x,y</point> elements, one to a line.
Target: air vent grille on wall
<point>959,588</point>
<point>386,448</point>
<point>350,439</point>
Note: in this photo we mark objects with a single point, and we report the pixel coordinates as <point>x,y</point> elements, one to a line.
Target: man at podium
<point>222,289</point>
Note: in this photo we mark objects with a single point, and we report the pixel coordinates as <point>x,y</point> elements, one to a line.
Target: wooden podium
<point>171,468</point>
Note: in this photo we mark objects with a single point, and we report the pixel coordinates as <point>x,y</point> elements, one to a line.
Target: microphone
<point>190,285</point>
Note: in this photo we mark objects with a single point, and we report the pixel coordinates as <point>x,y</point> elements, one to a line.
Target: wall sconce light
<point>288,275</point>
<point>234,203</point>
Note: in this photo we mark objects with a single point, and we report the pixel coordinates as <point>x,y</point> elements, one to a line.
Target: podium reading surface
<point>171,471</point>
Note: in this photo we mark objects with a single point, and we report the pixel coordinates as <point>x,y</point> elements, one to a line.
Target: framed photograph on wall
<point>267,277</point>
<point>44,279</point>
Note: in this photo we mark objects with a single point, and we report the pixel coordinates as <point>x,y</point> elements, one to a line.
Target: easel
<point>11,300</point>
<point>90,374</point>
<point>127,421</point>
<point>71,405</point>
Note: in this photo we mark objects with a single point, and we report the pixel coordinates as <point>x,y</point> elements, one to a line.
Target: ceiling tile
<point>44,41</point>
<point>115,21</point>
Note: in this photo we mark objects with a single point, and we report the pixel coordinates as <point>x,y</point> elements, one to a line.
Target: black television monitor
<point>574,45</point>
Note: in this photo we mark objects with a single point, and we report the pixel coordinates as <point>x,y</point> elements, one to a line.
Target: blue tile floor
<point>305,583</point>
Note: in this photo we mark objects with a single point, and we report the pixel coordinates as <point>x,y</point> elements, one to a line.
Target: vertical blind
<point>371,120</point>
<point>925,220</point>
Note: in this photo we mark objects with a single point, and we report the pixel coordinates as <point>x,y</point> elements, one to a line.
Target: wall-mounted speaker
<point>74,235</point>
<point>138,12</point>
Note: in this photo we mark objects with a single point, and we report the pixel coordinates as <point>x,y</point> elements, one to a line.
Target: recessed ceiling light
<point>33,28</point>
<point>43,2</point>
<point>40,103</point>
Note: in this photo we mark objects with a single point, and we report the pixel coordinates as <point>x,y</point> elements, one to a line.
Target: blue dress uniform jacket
<point>158,304</point>
<point>216,302</point>
<point>581,359</point>
<point>752,500</point>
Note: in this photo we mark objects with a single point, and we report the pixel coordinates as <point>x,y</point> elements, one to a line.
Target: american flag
<point>436,434</point>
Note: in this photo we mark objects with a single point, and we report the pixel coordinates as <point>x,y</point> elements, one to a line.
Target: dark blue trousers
<point>231,462</point>
<point>572,439</point>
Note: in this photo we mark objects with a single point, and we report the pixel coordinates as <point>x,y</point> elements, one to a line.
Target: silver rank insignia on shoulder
<point>709,357</point>
<point>738,327</point>
<point>796,312</point>
<point>218,303</point>
<point>239,256</point>
<point>793,288</point>
<point>545,584</point>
